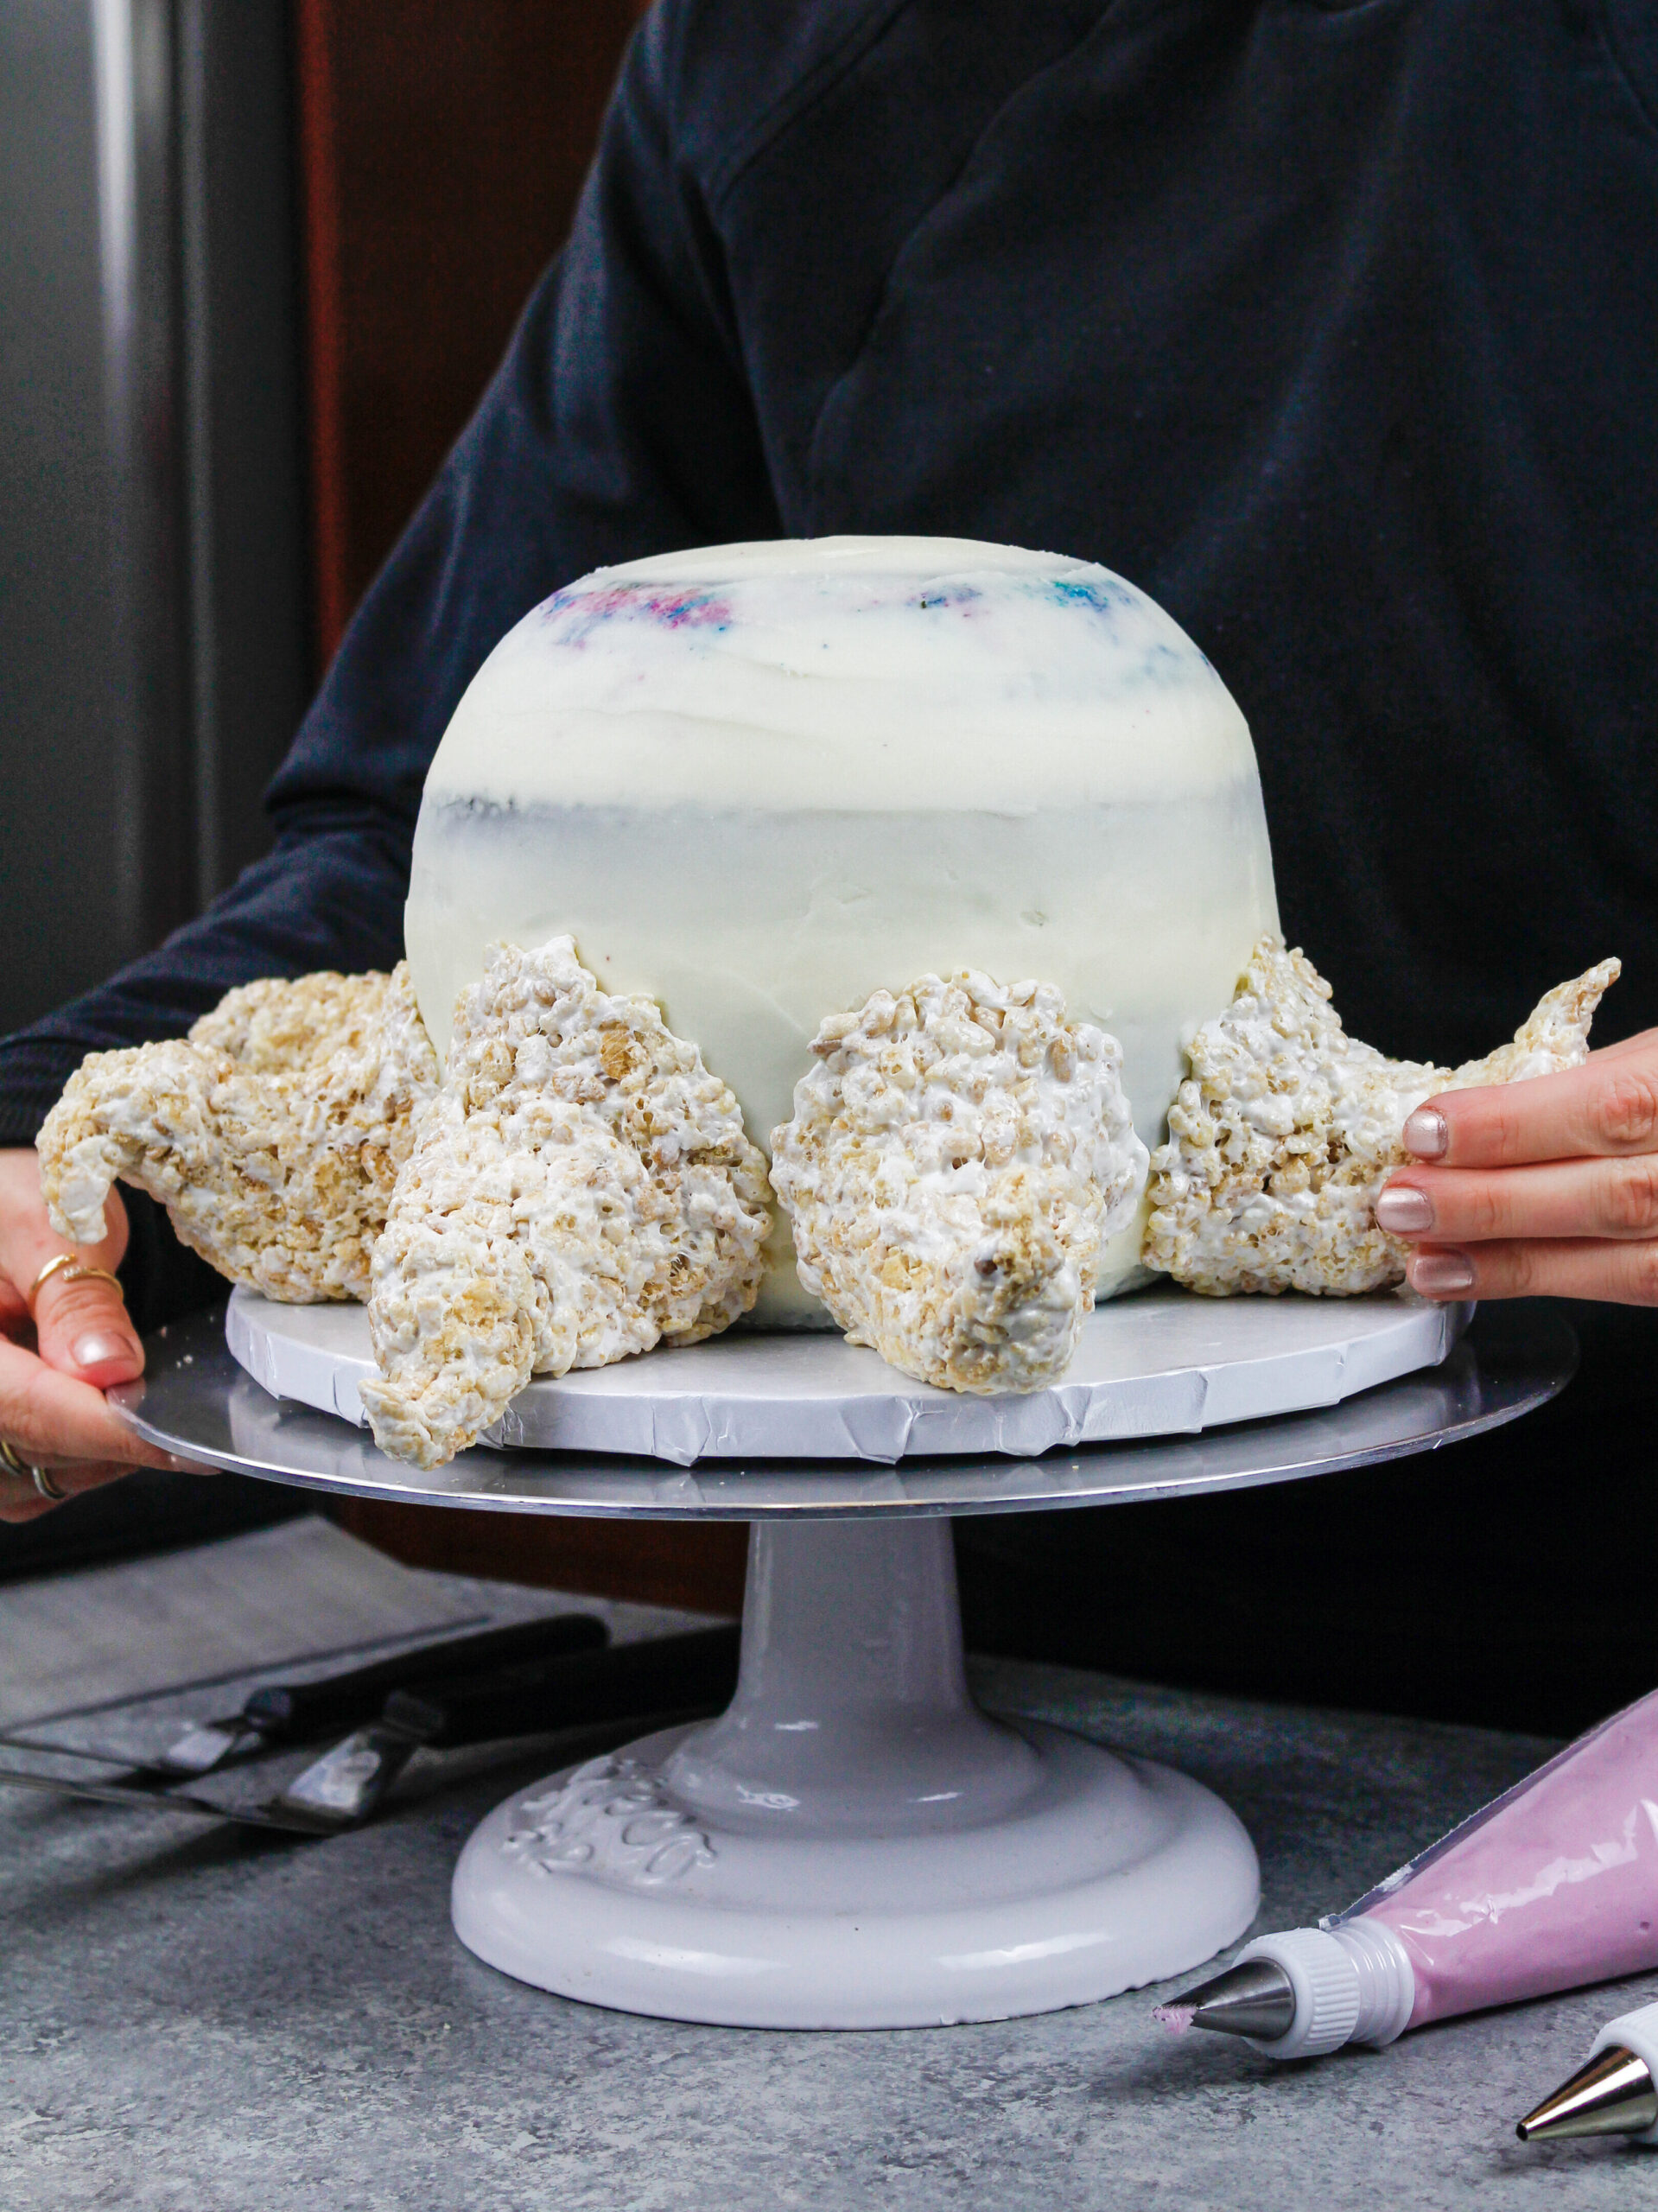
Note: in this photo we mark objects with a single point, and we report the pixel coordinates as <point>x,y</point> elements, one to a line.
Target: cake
<point>760,783</point>
<point>939,870</point>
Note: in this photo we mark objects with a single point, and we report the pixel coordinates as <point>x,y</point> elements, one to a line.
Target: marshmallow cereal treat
<point>955,1162</point>
<point>273,1133</point>
<point>757,782</point>
<point>1287,1128</point>
<point>582,1190</point>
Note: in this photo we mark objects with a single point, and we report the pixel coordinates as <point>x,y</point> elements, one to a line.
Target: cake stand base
<point>852,1844</point>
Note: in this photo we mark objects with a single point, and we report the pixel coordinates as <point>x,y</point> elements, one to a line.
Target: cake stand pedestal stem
<point>852,1714</point>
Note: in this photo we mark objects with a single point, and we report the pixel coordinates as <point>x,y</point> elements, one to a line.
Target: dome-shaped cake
<point>760,781</point>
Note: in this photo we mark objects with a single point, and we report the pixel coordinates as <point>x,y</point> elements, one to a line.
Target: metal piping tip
<point>207,1744</point>
<point>1255,1999</point>
<point>1613,2094</point>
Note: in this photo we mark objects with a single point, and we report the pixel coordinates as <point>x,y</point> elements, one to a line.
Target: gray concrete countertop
<point>199,2021</point>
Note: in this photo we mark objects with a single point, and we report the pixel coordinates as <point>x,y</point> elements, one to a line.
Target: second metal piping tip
<point>1613,2094</point>
<point>1257,1999</point>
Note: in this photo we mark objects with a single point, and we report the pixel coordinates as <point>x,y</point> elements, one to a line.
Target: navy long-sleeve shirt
<point>1335,328</point>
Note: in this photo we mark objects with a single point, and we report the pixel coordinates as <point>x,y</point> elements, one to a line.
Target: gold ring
<point>73,1270</point>
<point>38,1475</point>
<point>63,1260</point>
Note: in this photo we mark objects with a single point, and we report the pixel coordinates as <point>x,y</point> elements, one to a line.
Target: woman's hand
<point>1546,1187</point>
<point>55,1365</point>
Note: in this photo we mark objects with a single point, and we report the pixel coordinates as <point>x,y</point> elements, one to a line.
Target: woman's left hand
<point>1546,1187</point>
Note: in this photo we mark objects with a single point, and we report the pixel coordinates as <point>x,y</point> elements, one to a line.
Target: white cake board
<point>852,1844</point>
<point>1163,1363</point>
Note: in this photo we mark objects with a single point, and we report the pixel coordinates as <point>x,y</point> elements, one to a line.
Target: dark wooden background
<point>441,149</point>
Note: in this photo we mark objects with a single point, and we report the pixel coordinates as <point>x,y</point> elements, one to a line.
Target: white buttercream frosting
<point>761,782</point>
<point>875,674</point>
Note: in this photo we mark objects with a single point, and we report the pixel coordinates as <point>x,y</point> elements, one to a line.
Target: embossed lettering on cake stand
<point>613,1816</point>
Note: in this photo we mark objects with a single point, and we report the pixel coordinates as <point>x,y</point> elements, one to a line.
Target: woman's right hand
<point>56,1364</point>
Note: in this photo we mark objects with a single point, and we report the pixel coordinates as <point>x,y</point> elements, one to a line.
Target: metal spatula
<point>688,1673</point>
<point>568,1689</point>
<point>182,1800</point>
<point>298,1712</point>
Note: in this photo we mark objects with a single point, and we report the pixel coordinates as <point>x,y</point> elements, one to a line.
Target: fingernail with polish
<point>1426,1133</point>
<point>96,1350</point>
<point>1403,1210</point>
<point>1442,1274</point>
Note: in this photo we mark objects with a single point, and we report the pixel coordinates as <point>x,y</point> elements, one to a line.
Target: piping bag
<point>1553,1884</point>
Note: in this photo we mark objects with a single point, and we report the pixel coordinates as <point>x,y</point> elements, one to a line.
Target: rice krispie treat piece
<point>1287,1129</point>
<point>952,1166</point>
<point>273,1133</point>
<point>582,1190</point>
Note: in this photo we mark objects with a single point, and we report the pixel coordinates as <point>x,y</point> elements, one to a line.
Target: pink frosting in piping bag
<point>1553,1884</point>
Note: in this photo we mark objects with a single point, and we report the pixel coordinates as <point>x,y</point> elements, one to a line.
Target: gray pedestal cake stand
<point>853,1843</point>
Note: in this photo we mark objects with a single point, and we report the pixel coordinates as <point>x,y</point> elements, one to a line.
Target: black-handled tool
<point>663,1673</point>
<point>269,1816</point>
<point>297,1712</point>
<point>569,1689</point>
<point>669,1673</point>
